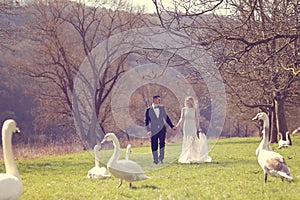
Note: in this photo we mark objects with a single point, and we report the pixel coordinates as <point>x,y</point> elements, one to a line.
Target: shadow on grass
<point>224,163</point>
<point>152,187</point>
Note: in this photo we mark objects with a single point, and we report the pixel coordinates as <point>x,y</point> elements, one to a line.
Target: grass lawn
<point>234,174</point>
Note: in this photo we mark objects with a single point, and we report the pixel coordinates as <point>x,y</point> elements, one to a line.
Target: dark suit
<point>156,125</point>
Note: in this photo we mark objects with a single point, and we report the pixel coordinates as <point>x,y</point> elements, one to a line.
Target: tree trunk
<point>273,128</point>
<point>246,131</point>
<point>280,116</point>
<point>238,129</point>
<point>95,132</point>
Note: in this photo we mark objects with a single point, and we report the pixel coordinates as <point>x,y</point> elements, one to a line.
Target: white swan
<point>127,170</point>
<point>284,143</point>
<point>271,162</point>
<point>97,172</point>
<point>128,152</point>
<point>11,186</point>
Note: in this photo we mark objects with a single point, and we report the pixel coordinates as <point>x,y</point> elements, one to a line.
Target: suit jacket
<point>154,123</point>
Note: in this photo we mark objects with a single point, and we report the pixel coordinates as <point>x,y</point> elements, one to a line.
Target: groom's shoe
<point>161,161</point>
<point>155,162</point>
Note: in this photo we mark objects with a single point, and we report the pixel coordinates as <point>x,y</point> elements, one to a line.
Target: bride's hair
<point>189,102</point>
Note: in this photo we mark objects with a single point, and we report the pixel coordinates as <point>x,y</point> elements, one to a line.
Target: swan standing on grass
<point>127,170</point>
<point>10,183</point>
<point>271,162</point>
<point>97,172</point>
<point>264,143</point>
<point>284,143</point>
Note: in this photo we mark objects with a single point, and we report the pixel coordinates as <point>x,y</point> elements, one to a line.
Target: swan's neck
<point>96,158</point>
<point>116,154</point>
<point>280,135</point>
<point>9,161</point>
<point>265,134</point>
<point>128,152</point>
<point>287,136</point>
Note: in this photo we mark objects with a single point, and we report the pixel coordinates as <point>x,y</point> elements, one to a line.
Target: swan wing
<point>127,170</point>
<point>275,164</point>
<point>10,187</point>
<point>128,176</point>
<point>127,166</point>
<point>278,164</point>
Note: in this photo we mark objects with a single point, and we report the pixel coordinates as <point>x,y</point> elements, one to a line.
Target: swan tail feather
<point>285,175</point>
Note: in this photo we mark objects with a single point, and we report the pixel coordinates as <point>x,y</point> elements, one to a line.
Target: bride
<point>194,148</point>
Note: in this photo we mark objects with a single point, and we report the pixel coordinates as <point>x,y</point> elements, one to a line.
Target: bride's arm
<point>181,118</point>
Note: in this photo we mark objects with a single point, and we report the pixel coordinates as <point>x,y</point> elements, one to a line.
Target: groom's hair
<point>155,97</point>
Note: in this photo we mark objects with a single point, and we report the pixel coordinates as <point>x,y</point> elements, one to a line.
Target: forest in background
<point>43,44</point>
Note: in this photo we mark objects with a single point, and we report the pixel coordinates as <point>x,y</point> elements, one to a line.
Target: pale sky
<point>149,6</point>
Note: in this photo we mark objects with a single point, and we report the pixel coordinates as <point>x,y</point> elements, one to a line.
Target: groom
<point>155,118</point>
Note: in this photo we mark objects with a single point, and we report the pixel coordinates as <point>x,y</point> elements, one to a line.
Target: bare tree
<point>62,35</point>
<point>7,29</point>
<point>252,41</point>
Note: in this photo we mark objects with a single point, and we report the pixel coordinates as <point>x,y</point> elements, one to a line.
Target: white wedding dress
<point>194,149</point>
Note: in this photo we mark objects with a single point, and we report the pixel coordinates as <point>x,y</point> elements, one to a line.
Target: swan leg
<point>266,176</point>
<point>121,182</point>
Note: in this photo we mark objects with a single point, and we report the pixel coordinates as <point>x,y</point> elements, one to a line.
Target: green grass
<point>234,174</point>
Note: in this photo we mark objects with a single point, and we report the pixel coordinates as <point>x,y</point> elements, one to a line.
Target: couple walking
<point>194,148</point>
